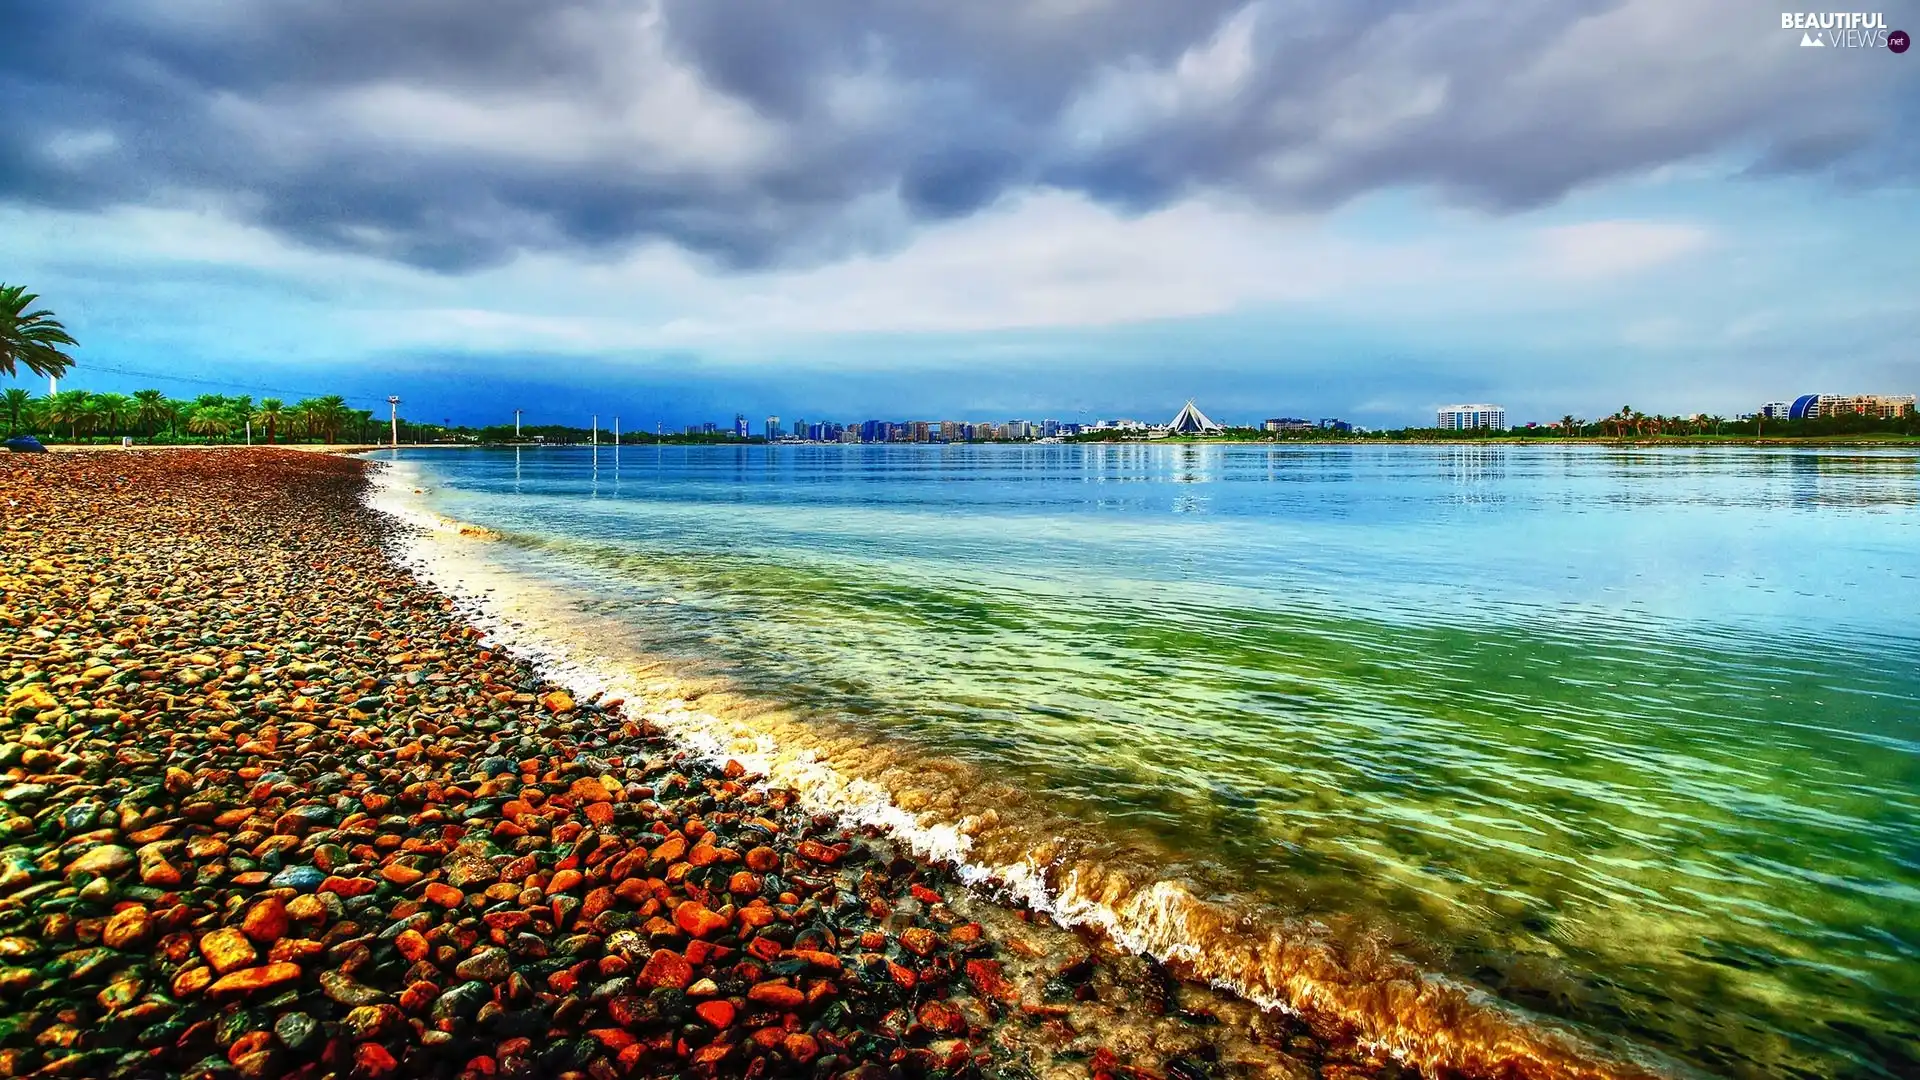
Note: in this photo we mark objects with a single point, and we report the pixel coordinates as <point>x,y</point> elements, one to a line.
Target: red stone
<point>266,921</point>
<point>445,895</point>
<point>666,968</point>
<point>717,1013</point>
<point>777,994</point>
<point>372,1060</point>
<point>254,979</point>
<point>815,851</point>
<point>988,981</point>
<point>348,888</point>
<point>942,1018</point>
<point>698,919</point>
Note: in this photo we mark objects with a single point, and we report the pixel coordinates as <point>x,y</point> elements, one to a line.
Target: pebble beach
<point>271,807</point>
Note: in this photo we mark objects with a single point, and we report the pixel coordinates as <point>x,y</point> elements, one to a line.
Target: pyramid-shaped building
<point>1191,421</point>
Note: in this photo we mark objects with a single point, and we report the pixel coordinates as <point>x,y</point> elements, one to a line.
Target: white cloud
<point>1607,249</point>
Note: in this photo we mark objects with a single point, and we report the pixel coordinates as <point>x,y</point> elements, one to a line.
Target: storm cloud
<point>452,134</point>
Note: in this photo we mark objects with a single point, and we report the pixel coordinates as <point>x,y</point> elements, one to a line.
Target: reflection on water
<point>1627,737</point>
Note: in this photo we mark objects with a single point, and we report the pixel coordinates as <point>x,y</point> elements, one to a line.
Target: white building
<point>1468,417</point>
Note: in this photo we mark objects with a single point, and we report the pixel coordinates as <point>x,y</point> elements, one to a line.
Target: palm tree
<point>269,413</point>
<point>68,407</point>
<point>33,338</point>
<point>17,403</point>
<point>113,411</point>
<point>307,411</point>
<point>363,425</point>
<point>1569,425</point>
<point>178,409</point>
<point>330,413</point>
<point>149,408</point>
<point>210,422</point>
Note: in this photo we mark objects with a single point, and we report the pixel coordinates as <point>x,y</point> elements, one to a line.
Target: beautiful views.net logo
<point>1845,30</point>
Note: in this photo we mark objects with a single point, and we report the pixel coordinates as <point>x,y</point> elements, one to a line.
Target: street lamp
<point>393,418</point>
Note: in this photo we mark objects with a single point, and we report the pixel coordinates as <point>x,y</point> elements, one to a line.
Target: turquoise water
<point>1629,738</point>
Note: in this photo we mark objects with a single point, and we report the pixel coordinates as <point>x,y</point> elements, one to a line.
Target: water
<point>1629,739</point>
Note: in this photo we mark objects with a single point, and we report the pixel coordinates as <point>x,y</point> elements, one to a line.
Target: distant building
<point>921,431</point>
<point>1470,417</point>
<point>1191,421</point>
<point>1334,424</point>
<point>709,428</point>
<point>773,428</point>
<point>740,425</point>
<point>1775,410</point>
<point>1883,406</point>
<point>693,429</point>
<point>1286,423</point>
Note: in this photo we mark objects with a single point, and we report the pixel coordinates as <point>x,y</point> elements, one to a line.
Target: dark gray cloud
<point>453,133</point>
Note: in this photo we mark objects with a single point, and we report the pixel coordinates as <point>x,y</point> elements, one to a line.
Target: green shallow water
<point>1631,739</point>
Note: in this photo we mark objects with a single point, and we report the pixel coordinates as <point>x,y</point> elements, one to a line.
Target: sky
<point>676,210</point>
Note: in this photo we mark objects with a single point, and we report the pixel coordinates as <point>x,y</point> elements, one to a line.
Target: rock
<point>227,949</point>
<point>364,1022</point>
<point>777,994</point>
<point>107,860</point>
<point>343,989</point>
<point>444,895</point>
<point>717,1013</point>
<point>266,921</point>
<point>941,1018</point>
<point>589,789</point>
<point>460,1001</point>
<point>296,1031</point>
<point>918,940</point>
<point>490,965</point>
<point>157,870</point>
<point>699,920</point>
<point>253,980</point>
<point>557,701</point>
<point>467,872</point>
<point>303,878</point>
<point>128,928</point>
<point>666,968</point>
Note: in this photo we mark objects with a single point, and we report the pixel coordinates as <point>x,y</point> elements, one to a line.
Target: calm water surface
<point>1628,737</point>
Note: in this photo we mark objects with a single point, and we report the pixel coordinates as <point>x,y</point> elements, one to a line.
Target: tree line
<point>80,415</point>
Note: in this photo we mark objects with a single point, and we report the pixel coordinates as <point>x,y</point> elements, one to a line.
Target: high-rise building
<point>1049,428</point>
<point>950,431</point>
<point>739,425</point>
<point>708,428</point>
<point>1470,417</point>
<point>773,428</point>
<point>1286,423</point>
<point>799,429</point>
<point>1815,406</point>
<point>1776,410</point>
<point>920,431</point>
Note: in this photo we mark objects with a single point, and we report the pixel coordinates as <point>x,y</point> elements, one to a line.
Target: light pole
<point>393,418</point>
<point>596,429</point>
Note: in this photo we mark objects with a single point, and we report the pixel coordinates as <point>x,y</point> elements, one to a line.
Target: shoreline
<point>275,806</point>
